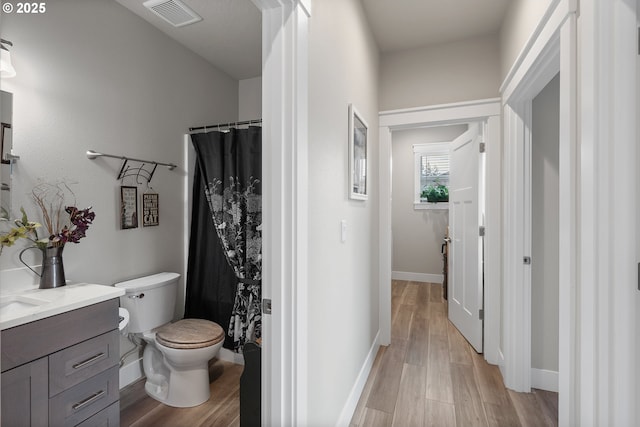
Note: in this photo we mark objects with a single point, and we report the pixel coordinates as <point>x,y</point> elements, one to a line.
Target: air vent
<point>174,12</point>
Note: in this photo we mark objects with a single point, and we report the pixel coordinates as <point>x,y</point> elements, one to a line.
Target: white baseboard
<point>544,379</point>
<point>356,391</point>
<point>131,372</point>
<point>230,356</point>
<point>501,364</point>
<point>417,277</point>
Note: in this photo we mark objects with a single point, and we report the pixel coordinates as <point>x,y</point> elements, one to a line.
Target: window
<point>431,175</point>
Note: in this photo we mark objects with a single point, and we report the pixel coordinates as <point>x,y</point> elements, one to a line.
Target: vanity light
<point>6,67</point>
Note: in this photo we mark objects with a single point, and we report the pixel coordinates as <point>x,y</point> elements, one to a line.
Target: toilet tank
<point>150,300</point>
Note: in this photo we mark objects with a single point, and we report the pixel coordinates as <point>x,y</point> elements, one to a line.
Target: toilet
<point>176,356</point>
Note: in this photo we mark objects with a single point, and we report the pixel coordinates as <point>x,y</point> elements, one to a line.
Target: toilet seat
<point>190,334</point>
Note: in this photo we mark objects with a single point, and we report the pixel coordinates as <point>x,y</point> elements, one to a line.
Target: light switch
<point>343,230</point>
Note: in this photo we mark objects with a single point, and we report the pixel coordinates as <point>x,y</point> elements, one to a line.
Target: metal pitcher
<point>52,268</point>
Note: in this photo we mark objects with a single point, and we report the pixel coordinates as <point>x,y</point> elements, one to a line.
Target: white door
<point>465,258</point>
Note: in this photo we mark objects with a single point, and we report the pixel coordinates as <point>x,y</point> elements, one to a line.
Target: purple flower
<point>80,220</point>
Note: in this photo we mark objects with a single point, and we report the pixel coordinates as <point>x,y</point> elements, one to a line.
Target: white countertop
<point>18,307</point>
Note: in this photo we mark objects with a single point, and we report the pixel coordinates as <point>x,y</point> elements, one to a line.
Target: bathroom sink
<point>13,304</point>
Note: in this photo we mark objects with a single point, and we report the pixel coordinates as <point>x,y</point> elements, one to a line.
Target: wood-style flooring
<point>431,376</point>
<point>222,409</point>
<point>428,376</point>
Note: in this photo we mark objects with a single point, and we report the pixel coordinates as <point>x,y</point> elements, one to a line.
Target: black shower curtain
<point>225,249</point>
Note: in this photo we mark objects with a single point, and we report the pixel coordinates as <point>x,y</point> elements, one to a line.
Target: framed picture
<point>150,215</point>
<point>357,155</point>
<point>128,207</point>
<point>5,137</point>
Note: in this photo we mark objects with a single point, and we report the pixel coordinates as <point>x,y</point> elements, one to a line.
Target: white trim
<point>462,112</point>
<point>436,115</point>
<point>130,373</point>
<point>539,34</point>
<point>285,185</point>
<point>361,380</point>
<point>431,206</point>
<point>543,379</point>
<point>553,49</point>
<point>607,296</point>
<point>231,356</point>
<point>417,277</point>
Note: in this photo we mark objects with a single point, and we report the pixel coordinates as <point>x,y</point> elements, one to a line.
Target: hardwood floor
<point>431,376</point>
<point>428,376</point>
<point>222,409</point>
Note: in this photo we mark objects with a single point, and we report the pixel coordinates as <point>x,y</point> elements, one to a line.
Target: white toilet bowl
<point>179,377</point>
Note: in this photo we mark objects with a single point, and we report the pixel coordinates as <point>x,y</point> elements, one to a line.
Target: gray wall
<point>440,74</point>
<point>91,75</point>
<point>250,99</point>
<point>545,227</point>
<point>518,26</point>
<point>343,277</point>
<point>417,234</point>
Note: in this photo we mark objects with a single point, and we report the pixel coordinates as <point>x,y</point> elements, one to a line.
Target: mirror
<point>6,119</point>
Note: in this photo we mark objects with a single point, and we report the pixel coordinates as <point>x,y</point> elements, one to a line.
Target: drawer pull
<point>88,400</point>
<point>88,361</point>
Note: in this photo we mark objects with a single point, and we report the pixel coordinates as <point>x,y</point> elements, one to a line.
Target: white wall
<point>343,283</point>
<point>518,25</point>
<point>440,74</point>
<point>417,234</point>
<point>250,99</point>
<point>91,75</point>
<point>545,227</point>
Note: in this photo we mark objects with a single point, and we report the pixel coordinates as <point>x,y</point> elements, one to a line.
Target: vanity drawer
<point>40,338</point>
<point>75,405</point>
<point>75,364</point>
<point>108,417</point>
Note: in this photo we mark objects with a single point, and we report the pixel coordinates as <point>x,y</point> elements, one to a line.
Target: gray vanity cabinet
<point>63,370</point>
<point>25,397</point>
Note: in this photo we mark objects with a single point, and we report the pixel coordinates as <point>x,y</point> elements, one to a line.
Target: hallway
<point>431,376</point>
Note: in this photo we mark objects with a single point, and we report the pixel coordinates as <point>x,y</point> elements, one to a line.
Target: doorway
<point>450,114</point>
<point>544,231</point>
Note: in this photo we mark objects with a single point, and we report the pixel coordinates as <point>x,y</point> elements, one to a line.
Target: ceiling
<point>229,36</point>
<point>409,24</point>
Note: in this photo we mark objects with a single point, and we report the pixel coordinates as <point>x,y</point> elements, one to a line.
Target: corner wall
<point>343,281</point>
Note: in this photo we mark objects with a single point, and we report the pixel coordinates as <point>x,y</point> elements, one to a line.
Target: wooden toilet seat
<point>190,334</point>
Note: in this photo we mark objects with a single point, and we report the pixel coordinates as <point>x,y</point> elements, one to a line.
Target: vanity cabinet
<point>63,370</point>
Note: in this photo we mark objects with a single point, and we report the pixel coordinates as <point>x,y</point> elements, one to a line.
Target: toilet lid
<point>190,333</point>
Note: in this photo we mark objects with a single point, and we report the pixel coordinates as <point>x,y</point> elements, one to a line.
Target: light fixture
<point>6,67</point>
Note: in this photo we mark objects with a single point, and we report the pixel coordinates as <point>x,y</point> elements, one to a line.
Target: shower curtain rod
<point>226,125</point>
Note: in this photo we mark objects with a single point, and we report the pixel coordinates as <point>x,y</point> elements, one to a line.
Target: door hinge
<point>481,313</point>
<point>526,260</point>
<point>481,231</point>
<point>266,306</point>
<point>483,147</point>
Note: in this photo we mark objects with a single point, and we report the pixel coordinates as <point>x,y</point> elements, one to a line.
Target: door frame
<point>439,115</point>
<point>285,25</point>
<point>551,50</point>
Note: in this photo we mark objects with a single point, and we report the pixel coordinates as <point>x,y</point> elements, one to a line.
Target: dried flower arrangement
<point>61,228</point>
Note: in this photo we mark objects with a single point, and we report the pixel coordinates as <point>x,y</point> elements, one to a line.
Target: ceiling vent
<point>174,12</point>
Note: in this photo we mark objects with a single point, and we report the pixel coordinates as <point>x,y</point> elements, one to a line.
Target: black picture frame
<point>128,207</point>
<point>150,210</point>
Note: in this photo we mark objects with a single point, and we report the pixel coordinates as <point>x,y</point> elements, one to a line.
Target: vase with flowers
<point>63,224</point>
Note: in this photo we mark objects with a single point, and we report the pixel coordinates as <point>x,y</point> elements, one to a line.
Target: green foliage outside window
<point>435,193</point>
